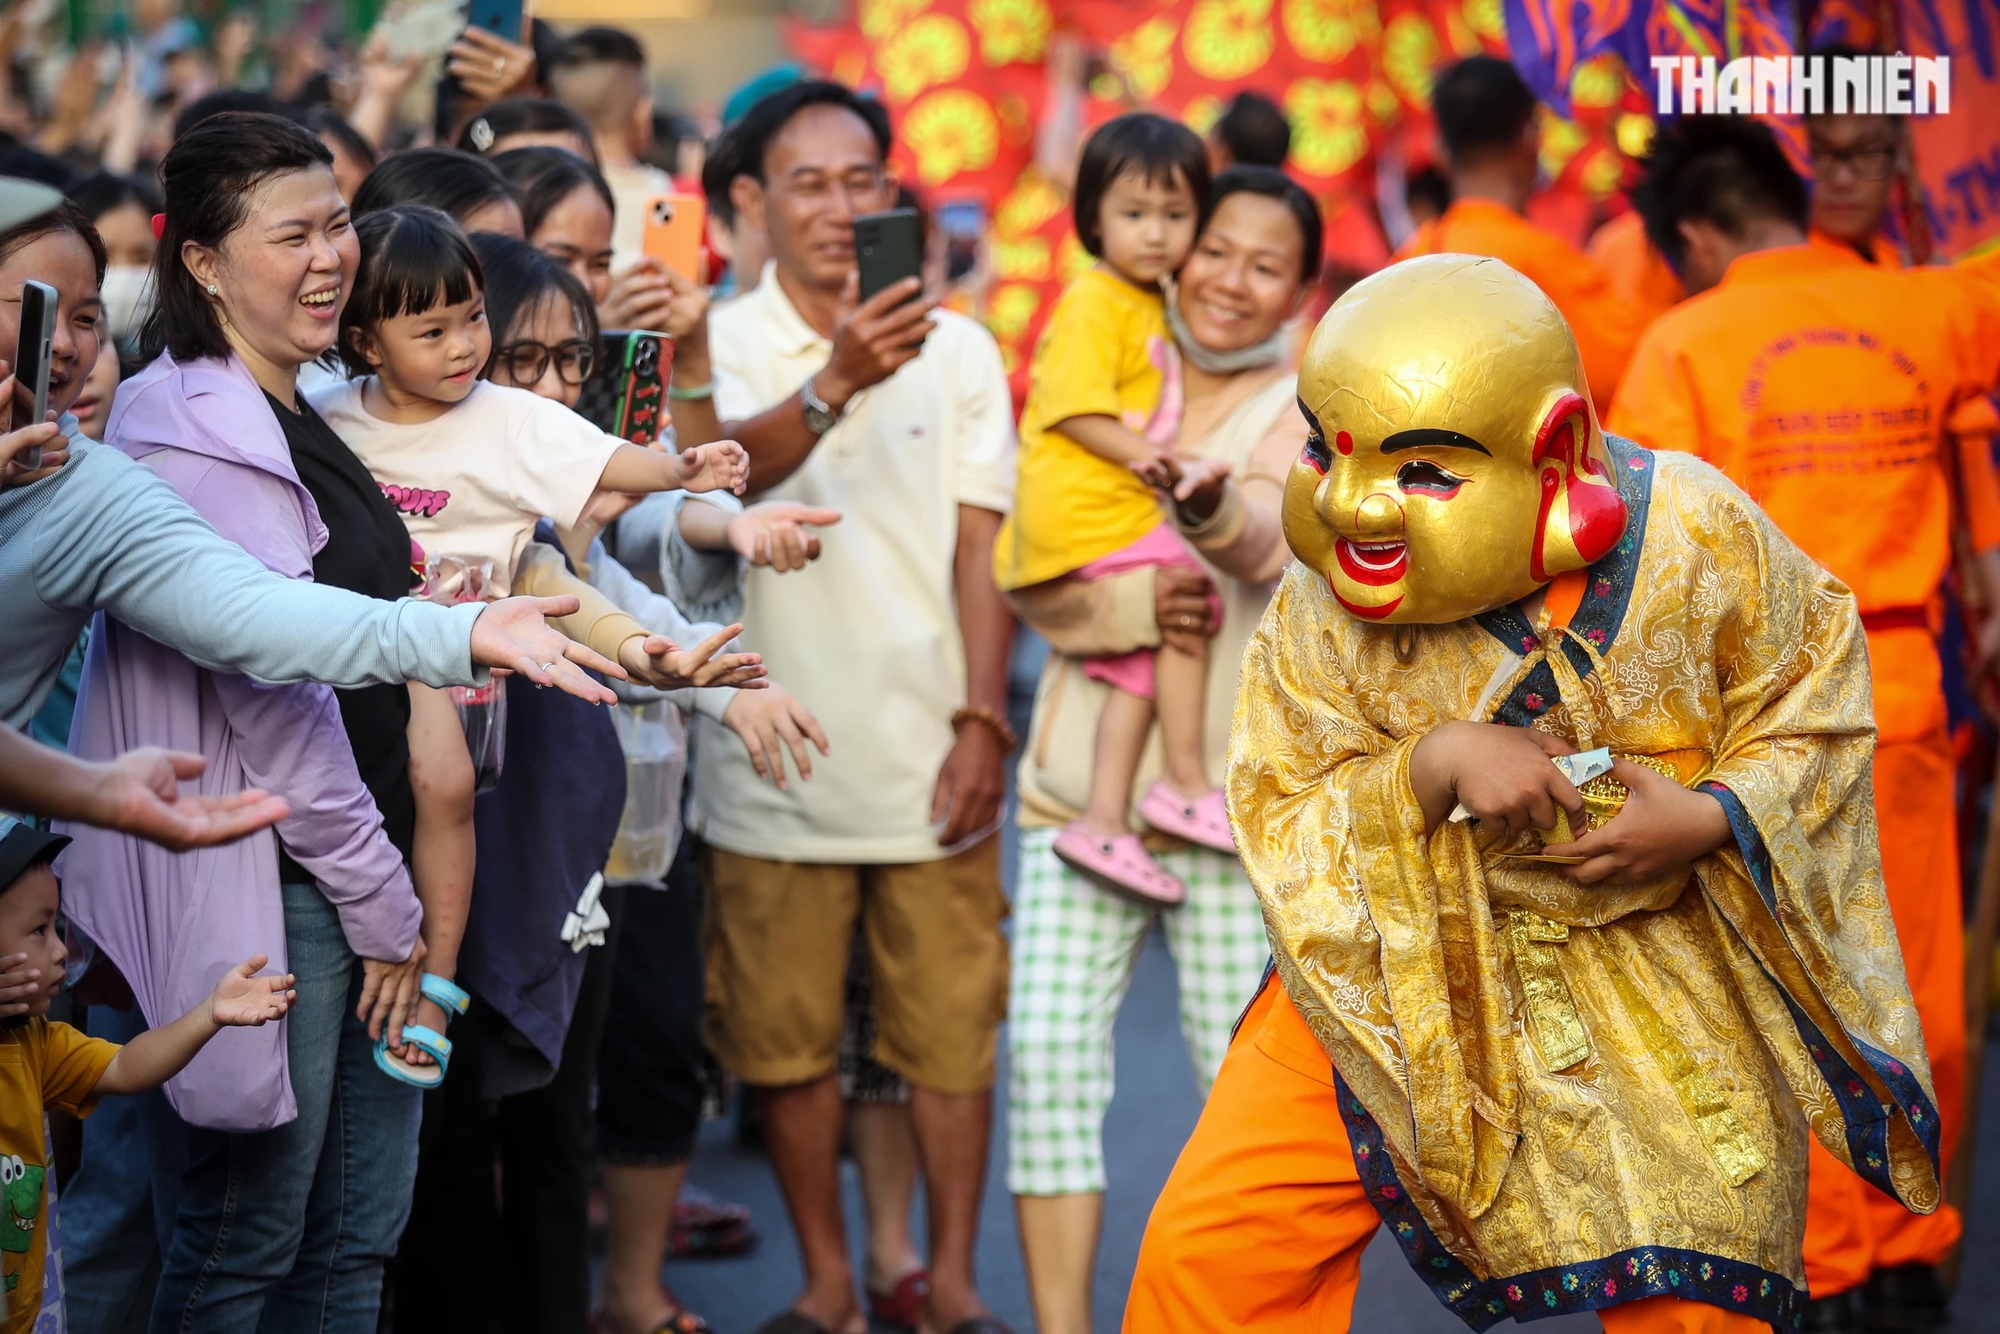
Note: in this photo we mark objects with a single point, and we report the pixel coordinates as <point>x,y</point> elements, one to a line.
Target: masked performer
<point>1565,1086</point>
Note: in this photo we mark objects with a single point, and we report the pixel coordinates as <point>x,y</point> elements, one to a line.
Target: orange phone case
<point>676,226</point>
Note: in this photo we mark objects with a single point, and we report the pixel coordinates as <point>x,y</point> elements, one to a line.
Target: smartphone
<point>676,226</point>
<point>963,222</point>
<point>502,18</point>
<point>888,247</point>
<point>644,362</point>
<point>31,361</point>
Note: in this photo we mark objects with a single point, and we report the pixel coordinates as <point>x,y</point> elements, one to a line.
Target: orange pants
<point>1852,1228</point>
<point>1262,1224</point>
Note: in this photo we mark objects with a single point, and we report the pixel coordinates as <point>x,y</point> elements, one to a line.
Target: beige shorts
<point>778,938</point>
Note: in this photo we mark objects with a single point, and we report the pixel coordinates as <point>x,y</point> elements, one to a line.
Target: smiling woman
<point>1074,945</point>
<point>255,260</point>
<point>61,249</point>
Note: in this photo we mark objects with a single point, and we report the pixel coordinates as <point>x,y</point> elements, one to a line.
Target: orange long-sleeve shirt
<point>1605,328</point>
<point>1640,276</point>
<point>1824,387</point>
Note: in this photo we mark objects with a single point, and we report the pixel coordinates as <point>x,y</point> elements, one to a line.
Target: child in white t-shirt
<point>472,467</point>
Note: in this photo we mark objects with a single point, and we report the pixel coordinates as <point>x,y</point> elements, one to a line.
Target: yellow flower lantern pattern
<point>1228,39</point>
<point>950,131</point>
<point>1011,31</point>
<point>1410,57</point>
<point>1144,57</point>
<point>1032,202</point>
<point>1328,136</point>
<point>1013,306</point>
<point>1026,260</point>
<point>881,18</point>
<point>1487,18</point>
<point>931,50</point>
<point>1201,113</point>
<point>1326,30</point>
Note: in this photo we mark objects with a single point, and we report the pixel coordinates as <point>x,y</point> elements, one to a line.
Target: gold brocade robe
<point>1562,1097</point>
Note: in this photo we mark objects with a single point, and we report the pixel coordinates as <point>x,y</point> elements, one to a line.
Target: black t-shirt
<point>367,551</point>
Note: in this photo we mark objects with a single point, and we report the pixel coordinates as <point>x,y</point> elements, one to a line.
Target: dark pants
<point>650,1081</point>
<point>511,1255</point>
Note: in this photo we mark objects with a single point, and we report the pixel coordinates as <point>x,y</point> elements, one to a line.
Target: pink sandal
<point>1205,820</point>
<point>1121,864</point>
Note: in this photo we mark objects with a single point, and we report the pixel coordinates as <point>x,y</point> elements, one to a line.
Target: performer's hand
<point>1501,774</point>
<point>1662,826</point>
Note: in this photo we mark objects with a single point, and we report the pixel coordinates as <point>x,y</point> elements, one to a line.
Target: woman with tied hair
<point>1255,254</point>
<point>296,1153</point>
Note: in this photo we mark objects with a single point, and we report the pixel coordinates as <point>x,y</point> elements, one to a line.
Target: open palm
<point>242,1000</point>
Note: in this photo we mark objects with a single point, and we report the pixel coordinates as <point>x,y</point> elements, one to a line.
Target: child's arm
<point>1107,438</point>
<point>239,1001</point>
<point>774,533</point>
<point>719,466</point>
<point>443,852</point>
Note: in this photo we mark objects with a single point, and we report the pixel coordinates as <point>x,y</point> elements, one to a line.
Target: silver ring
<point>1186,621</point>
<point>549,668</point>
<point>499,65</point>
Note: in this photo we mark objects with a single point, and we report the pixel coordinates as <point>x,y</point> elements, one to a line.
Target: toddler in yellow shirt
<point>1103,405</point>
<point>45,1065</point>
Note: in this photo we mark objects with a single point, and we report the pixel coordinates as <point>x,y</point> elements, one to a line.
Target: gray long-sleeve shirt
<point>106,532</point>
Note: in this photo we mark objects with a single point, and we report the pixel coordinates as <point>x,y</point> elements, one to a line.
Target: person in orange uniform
<point>1823,385</point>
<point>1486,117</point>
<point>1642,280</point>
<point>1856,158</point>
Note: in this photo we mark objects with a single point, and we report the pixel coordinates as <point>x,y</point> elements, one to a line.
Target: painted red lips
<point>1373,564</point>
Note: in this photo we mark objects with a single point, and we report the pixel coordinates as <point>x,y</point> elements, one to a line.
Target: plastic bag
<point>482,710</point>
<point>655,740</point>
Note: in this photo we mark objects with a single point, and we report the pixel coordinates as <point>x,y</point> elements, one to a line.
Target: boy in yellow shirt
<point>1103,406</point>
<point>45,1065</point>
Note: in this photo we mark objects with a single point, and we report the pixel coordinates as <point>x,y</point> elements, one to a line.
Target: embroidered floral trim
<point>1586,1285</point>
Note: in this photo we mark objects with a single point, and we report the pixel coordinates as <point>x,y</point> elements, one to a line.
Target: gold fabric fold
<point>1552,1015</point>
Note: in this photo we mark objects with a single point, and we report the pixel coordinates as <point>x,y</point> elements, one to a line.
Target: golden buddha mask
<point>1455,463</point>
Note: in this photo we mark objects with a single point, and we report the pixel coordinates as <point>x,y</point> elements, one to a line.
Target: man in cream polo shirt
<point>897,415</point>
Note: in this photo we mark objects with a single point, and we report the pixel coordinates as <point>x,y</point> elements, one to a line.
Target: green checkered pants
<point>1074,948</point>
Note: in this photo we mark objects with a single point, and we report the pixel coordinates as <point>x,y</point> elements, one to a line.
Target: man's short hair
<point>618,60</point>
<point>764,121</point>
<point>1254,131</point>
<point>1727,171</point>
<point>1481,104</point>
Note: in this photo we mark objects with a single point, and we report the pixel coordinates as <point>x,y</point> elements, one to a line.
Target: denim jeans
<point>287,1231</point>
<point>113,1218</point>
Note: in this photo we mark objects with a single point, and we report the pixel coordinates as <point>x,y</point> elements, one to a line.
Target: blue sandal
<point>454,1000</point>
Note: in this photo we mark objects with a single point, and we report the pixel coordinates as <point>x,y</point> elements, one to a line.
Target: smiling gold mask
<point>1454,463</point>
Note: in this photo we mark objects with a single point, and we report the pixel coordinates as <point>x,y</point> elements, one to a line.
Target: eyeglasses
<point>1867,164</point>
<point>527,362</point>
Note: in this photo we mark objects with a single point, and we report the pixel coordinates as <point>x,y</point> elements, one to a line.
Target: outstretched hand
<point>140,794</point>
<point>719,466</point>
<point>658,662</point>
<point>243,1000</point>
<point>514,634</point>
<point>770,722</point>
<point>778,534</point>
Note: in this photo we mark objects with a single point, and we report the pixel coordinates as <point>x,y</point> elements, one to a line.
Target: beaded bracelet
<point>989,720</point>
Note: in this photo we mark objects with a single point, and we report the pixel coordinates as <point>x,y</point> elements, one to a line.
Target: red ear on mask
<point>1581,514</point>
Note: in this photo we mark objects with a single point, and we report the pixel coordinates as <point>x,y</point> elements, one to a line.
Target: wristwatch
<point>819,417</point>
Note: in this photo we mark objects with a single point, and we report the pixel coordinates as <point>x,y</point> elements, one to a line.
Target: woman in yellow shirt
<point>1103,403</point>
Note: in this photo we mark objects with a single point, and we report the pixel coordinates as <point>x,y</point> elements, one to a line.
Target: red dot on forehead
<point>1343,442</point>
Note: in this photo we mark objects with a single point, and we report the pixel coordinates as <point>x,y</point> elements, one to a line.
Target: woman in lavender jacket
<point>299,1152</point>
